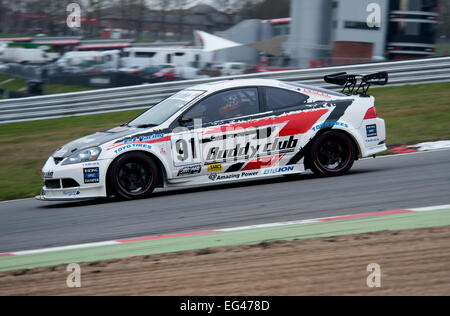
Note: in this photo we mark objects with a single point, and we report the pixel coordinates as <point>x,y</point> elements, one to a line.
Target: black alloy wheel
<point>332,154</point>
<point>133,176</point>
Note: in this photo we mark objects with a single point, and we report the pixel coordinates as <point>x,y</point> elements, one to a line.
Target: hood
<point>94,140</point>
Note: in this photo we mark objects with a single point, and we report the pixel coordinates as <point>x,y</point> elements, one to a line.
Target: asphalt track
<point>385,183</point>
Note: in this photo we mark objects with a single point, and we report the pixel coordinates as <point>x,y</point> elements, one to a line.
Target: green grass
<point>59,88</point>
<point>24,148</point>
<point>3,77</point>
<point>442,50</point>
<point>413,114</point>
<point>14,85</point>
<point>20,84</point>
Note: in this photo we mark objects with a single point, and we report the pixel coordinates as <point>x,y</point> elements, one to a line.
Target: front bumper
<point>42,197</point>
<point>87,179</point>
<point>72,194</point>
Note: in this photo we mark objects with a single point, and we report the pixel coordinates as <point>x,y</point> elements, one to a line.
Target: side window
<point>226,105</point>
<point>145,54</point>
<point>277,99</point>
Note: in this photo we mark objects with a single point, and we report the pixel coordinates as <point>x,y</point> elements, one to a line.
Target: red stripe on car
<point>298,123</point>
<point>261,163</point>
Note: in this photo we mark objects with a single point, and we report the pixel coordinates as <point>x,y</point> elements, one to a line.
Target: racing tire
<point>133,176</point>
<point>332,154</point>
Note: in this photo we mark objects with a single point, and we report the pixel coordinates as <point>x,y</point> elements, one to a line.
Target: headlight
<point>85,155</point>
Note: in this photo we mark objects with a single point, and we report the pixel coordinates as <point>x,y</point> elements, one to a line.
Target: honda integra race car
<point>220,132</point>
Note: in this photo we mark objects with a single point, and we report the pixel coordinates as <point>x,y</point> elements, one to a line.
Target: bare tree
<point>3,15</point>
<point>444,26</point>
<point>139,16</point>
<point>181,9</point>
<point>265,9</point>
<point>94,11</point>
<point>232,6</point>
<point>163,8</point>
<point>124,14</point>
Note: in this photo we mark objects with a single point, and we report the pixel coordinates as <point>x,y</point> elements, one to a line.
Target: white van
<point>26,55</point>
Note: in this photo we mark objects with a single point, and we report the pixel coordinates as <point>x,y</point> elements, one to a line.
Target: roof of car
<point>236,83</point>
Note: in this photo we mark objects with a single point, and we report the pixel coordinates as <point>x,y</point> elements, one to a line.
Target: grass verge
<point>413,114</point>
<point>16,84</point>
<point>26,146</point>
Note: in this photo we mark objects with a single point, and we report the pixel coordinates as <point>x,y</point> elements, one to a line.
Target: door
<point>214,139</point>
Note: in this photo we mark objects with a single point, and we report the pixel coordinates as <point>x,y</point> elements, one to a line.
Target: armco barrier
<point>143,96</point>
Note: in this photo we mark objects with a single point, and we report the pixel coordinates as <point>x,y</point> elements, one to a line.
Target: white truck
<point>26,55</point>
<point>145,57</point>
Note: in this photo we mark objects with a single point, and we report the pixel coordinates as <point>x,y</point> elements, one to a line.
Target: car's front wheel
<point>133,176</point>
<point>332,154</point>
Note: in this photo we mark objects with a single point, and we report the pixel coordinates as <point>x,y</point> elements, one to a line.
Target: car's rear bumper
<point>373,134</point>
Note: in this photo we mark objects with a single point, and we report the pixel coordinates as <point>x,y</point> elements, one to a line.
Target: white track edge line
<point>80,246</point>
<point>431,208</point>
<point>269,225</point>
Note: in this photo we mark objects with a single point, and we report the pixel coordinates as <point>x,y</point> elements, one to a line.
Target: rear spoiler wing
<point>351,81</point>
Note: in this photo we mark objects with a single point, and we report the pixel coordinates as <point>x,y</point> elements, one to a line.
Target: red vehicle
<point>166,74</point>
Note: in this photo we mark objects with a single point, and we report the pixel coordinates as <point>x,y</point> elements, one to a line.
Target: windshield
<point>162,111</point>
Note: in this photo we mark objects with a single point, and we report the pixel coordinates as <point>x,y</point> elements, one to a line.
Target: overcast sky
<point>213,3</point>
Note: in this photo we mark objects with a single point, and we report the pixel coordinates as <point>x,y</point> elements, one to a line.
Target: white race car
<point>220,132</point>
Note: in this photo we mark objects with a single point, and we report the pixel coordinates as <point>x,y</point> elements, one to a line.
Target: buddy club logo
<point>248,144</point>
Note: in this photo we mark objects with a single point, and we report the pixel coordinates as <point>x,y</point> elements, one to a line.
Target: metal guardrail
<point>143,96</point>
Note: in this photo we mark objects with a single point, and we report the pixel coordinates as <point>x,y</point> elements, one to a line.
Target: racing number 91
<point>186,150</point>
<point>182,148</point>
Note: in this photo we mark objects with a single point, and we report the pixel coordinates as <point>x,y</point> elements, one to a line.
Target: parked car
<point>212,69</point>
<point>132,70</point>
<point>148,73</point>
<point>189,73</point>
<point>231,69</point>
<point>166,74</point>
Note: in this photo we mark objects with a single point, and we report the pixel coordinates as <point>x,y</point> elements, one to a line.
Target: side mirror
<point>185,120</point>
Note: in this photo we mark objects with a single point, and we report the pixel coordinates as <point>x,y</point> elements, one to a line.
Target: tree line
<point>48,16</point>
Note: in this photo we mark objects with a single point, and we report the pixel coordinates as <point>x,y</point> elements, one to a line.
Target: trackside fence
<point>143,96</point>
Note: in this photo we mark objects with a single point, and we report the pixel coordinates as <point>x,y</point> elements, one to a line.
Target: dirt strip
<point>412,262</point>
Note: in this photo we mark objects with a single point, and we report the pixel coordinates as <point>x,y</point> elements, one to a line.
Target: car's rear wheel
<point>133,176</point>
<point>332,154</point>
